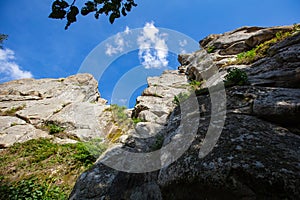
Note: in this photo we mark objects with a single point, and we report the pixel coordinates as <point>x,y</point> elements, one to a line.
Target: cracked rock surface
<point>73,103</point>
<point>257,155</point>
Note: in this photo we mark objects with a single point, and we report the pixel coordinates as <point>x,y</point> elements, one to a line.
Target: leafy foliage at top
<point>2,38</point>
<point>114,8</point>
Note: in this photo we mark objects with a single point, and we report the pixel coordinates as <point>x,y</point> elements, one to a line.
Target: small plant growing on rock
<point>14,124</point>
<point>247,57</point>
<point>236,76</point>
<point>118,113</point>
<point>261,50</point>
<point>12,111</point>
<point>137,120</point>
<point>181,97</point>
<point>53,128</point>
<point>210,49</point>
<point>195,84</point>
<point>121,120</point>
<point>159,140</point>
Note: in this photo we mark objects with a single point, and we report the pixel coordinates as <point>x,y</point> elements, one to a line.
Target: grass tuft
<point>41,169</point>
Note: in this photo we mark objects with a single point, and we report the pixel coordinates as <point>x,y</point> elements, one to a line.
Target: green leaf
<point>85,11</point>
<point>99,1</point>
<point>64,4</point>
<point>60,14</point>
<point>74,10</point>
<point>124,12</point>
<point>128,7</point>
<point>112,18</point>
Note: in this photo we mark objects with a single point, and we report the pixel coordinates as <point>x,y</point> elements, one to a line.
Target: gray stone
<point>241,39</point>
<point>280,70</point>
<point>255,157</point>
<point>73,103</point>
<point>9,121</point>
<point>21,133</point>
<point>147,129</point>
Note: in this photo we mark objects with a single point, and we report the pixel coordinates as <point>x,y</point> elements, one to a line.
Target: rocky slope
<point>241,142</point>
<point>31,109</point>
<point>257,155</point>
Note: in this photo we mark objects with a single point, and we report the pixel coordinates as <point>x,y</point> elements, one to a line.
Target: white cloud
<point>182,44</point>
<point>123,101</point>
<point>127,30</point>
<point>119,44</point>
<point>153,50</point>
<point>9,69</point>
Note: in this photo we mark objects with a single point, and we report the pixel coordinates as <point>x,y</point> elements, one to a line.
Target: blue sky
<point>39,47</point>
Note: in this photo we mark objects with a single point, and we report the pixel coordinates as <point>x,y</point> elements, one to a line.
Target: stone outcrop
<point>257,154</point>
<point>156,102</point>
<point>241,39</point>
<point>29,106</point>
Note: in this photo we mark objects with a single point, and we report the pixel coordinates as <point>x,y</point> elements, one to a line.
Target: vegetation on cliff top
<point>261,50</point>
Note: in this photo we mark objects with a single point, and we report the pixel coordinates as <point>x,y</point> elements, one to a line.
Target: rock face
<point>29,106</point>
<point>257,155</point>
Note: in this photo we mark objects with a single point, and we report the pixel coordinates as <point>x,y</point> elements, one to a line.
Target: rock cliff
<point>238,140</point>
<point>256,156</point>
<point>32,109</point>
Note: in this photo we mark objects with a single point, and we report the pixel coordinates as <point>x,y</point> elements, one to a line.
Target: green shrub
<point>181,97</point>
<point>210,49</point>
<point>25,168</point>
<point>158,143</point>
<point>31,189</point>
<point>261,50</point>
<point>137,120</point>
<point>12,111</point>
<point>88,152</point>
<point>247,57</point>
<point>53,128</point>
<point>236,76</point>
<point>195,84</point>
<point>118,113</point>
<point>121,120</point>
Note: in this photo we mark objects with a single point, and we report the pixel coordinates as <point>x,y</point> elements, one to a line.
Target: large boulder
<point>29,106</point>
<point>240,40</point>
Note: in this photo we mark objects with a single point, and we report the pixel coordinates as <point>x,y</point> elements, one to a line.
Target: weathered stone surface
<point>147,129</point>
<point>9,121</point>
<point>282,69</point>
<point>241,40</point>
<point>280,105</point>
<point>158,98</point>
<point>82,119</point>
<point>254,160</point>
<point>257,153</point>
<point>73,103</point>
<point>81,87</point>
<point>21,133</point>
